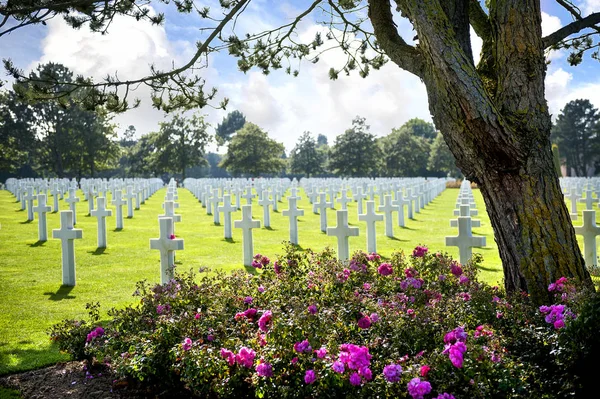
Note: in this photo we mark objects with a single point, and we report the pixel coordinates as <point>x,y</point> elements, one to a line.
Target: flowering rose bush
<point>307,325</point>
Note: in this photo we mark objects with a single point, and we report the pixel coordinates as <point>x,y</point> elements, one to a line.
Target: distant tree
<point>18,143</point>
<point>128,138</point>
<point>180,143</point>
<point>252,152</point>
<point>404,153</point>
<point>215,170</point>
<point>143,157</point>
<point>420,128</point>
<point>321,140</point>
<point>441,159</point>
<point>233,122</point>
<point>556,158</point>
<point>355,153</point>
<point>305,157</point>
<point>576,132</point>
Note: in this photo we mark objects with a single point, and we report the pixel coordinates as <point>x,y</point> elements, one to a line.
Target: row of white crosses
<point>465,240</point>
<point>67,233</point>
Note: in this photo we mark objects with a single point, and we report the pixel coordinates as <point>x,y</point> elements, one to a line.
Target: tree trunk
<point>495,121</point>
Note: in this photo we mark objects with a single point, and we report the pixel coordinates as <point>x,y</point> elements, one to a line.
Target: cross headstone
<point>265,202</point>
<point>167,245</point>
<point>118,202</point>
<point>72,201</point>
<point>465,210</point>
<point>247,224</point>
<point>371,217</point>
<point>400,202</point>
<point>589,230</point>
<point>388,208</point>
<point>589,199</point>
<point>358,197</point>
<point>322,206</point>
<point>342,231</point>
<point>465,239</point>
<point>55,192</point>
<point>170,212</point>
<point>41,209</point>
<point>293,212</point>
<point>67,234</point>
<point>412,197</point>
<point>573,197</point>
<point>129,196</point>
<point>29,197</point>
<point>216,199</point>
<point>227,209</point>
<point>248,195</point>
<point>344,199</point>
<point>90,198</point>
<point>101,213</point>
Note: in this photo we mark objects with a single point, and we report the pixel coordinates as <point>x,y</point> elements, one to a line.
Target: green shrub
<point>308,325</point>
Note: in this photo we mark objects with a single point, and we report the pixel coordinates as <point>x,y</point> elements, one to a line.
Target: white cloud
<point>476,44</point>
<point>550,24</point>
<point>589,6</point>
<point>557,88</point>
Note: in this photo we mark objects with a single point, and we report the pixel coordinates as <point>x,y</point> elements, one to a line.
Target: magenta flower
<point>187,344</point>
<point>424,370</point>
<point>392,372</point>
<point>366,373</point>
<point>95,333</point>
<point>277,267</point>
<point>455,269</point>
<point>445,396</point>
<point>463,279</point>
<point>385,269</point>
<point>228,356</point>
<point>338,367</point>
<point>294,360</point>
<point>309,377</point>
<point>264,369</point>
<point>374,317</point>
<point>355,379</point>
<point>321,353</point>
<point>261,289</point>
<point>312,309</point>
<point>172,237</point>
<point>364,322</point>
<point>303,346</point>
<point>366,286</point>
<point>418,389</point>
<point>420,251</point>
<point>245,357</point>
<point>248,299</point>
<point>265,321</point>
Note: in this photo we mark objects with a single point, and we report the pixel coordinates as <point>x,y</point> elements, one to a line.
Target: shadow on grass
<point>26,222</point>
<point>98,251</point>
<point>269,228</point>
<point>62,293</point>
<point>118,229</point>
<point>488,269</point>
<point>405,228</point>
<point>216,224</point>
<point>229,240</point>
<point>25,359</point>
<point>251,270</point>
<point>394,239</point>
<point>19,210</point>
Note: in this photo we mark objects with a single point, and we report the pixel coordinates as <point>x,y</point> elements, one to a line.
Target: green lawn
<point>32,298</point>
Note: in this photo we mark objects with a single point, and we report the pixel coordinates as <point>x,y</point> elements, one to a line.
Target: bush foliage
<point>308,325</point>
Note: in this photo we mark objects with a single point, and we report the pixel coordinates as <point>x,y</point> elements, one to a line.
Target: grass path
<point>32,299</point>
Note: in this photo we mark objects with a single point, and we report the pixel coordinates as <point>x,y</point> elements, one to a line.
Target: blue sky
<point>282,105</point>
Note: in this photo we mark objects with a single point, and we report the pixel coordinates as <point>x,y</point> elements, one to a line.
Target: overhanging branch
<point>402,54</point>
<point>588,22</point>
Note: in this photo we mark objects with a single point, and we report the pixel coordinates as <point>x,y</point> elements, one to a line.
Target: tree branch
<point>402,54</point>
<point>588,22</point>
<point>479,20</point>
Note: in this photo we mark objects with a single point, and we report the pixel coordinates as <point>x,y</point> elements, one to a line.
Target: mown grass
<point>32,298</point>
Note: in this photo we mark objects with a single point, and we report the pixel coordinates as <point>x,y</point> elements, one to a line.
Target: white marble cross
<point>170,212</point>
<point>465,210</point>
<point>215,199</point>
<point>72,201</point>
<point>265,202</point>
<point>129,196</point>
<point>248,195</point>
<point>466,201</point>
<point>358,197</point>
<point>90,198</point>
<point>29,197</point>
<point>399,202</point>
<point>465,239</point>
<point>247,224</point>
<point>371,217</point>
<point>41,209</point>
<point>167,245</point>
<point>67,234</point>
<point>293,212</point>
<point>227,209</point>
<point>118,202</point>
<point>589,199</point>
<point>388,208</point>
<point>322,206</point>
<point>101,213</point>
<point>171,197</point>
<point>55,192</point>
<point>342,231</point>
<point>344,199</point>
<point>413,198</point>
<point>589,230</point>
<point>573,197</point>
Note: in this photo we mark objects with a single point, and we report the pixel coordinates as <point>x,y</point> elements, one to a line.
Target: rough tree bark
<point>495,120</point>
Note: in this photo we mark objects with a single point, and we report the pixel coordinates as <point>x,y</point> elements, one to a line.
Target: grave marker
<point>370,217</point>
<point>167,244</point>
<point>293,212</point>
<point>67,234</point>
<point>41,209</point>
<point>342,231</point>
<point>247,224</point>
<point>589,230</point>
<point>101,213</point>
<point>465,239</point>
